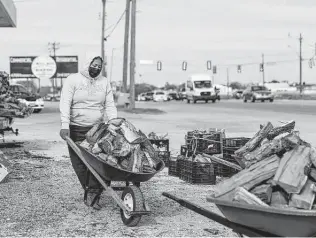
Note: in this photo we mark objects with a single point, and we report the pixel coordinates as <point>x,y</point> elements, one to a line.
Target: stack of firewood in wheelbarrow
<point>13,108</point>
<point>10,106</point>
<point>277,168</point>
<point>123,147</point>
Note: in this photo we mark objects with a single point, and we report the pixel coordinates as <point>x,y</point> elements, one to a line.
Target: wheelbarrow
<point>132,204</point>
<point>257,221</point>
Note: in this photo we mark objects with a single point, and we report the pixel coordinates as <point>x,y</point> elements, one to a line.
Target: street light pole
<point>102,39</point>
<point>133,55</point>
<point>126,42</point>
<point>112,61</point>
<point>301,64</point>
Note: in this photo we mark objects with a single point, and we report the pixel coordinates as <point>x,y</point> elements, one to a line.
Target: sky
<point>227,32</point>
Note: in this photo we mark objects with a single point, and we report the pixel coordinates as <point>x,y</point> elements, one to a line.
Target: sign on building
<point>21,66</point>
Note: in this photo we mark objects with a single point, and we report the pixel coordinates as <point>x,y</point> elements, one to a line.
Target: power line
<point>116,24</point>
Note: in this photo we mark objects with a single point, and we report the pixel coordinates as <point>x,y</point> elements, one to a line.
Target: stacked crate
<point>162,149</point>
<point>175,166</point>
<point>198,142</point>
<point>230,145</point>
<point>198,172</point>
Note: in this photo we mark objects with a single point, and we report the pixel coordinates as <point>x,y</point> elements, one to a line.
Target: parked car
<point>31,99</point>
<point>141,97</point>
<point>238,94</point>
<point>149,96</point>
<point>52,97</point>
<point>182,94</point>
<point>254,93</point>
<point>173,96</point>
<point>160,96</point>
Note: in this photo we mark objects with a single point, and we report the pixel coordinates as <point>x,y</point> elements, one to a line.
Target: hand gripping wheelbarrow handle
<point>114,195</point>
<point>219,219</point>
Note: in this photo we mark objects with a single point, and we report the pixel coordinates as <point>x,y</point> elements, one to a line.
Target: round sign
<point>44,67</point>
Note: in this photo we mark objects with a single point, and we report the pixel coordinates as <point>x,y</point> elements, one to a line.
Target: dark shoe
<point>92,199</point>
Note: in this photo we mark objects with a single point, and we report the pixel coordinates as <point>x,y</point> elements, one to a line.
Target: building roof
<point>7,13</point>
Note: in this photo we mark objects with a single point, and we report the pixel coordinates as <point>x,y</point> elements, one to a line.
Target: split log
<point>3,172</point>
<point>312,173</point>
<point>96,149</point>
<point>313,156</point>
<point>276,146</point>
<point>224,162</point>
<point>105,143</point>
<point>250,177</point>
<point>290,175</point>
<point>121,147</point>
<point>278,199</point>
<point>254,142</point>
<point>288,127</point>
<point>137,159</point>
<point>306,198</point>
<point>96,133</point>
<point>264,192</point>
<point>243,196</point>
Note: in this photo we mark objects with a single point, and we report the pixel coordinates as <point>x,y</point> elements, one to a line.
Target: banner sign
<point>21,66</point>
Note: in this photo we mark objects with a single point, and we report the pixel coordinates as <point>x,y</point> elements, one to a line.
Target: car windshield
<point>159,93</point>
<point>22,89</point>
<point>259,88</point>
<point>150,94</point>
<point>202,84</point>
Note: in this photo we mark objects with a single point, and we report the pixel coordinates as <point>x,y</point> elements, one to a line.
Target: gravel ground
<point>42,197</point>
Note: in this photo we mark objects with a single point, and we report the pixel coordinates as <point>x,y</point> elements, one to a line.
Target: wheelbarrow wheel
<point>133,198</point>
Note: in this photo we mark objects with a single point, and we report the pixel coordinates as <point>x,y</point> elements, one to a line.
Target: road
<point>236,117</point>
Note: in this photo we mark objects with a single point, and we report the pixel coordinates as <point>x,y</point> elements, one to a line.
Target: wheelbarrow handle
<point>77,150</point>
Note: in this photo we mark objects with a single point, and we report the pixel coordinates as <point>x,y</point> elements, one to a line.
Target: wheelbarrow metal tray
<point>111,173</point>
<point>281,222</point>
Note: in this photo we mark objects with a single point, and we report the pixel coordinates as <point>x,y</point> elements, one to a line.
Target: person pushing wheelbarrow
<point>86,99</point>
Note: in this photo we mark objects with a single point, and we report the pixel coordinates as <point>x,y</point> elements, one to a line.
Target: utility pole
<point>104,73</point>
<point>126,43</point>
<point>54,46</point>
<point>301,64</point>
<point>112,60</point>
<point>263,69</point>
<point>227,72</point>
<point>133,58</point>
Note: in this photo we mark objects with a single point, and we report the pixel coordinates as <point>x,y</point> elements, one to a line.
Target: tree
<point>169,86</point>
<point>143,88</point>
<point>236,85</point>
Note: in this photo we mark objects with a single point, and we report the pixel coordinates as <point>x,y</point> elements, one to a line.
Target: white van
<point>199,87</point>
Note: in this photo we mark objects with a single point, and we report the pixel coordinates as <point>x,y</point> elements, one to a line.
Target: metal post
<point>102,39</point>
<point>126,42</point>
<point>263,69</point>
<point>133,52</point>
<point>112,60</point>
<point>227,72</point>
<point>301,89</point>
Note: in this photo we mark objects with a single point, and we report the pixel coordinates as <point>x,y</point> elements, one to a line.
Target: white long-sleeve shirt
<point>86,101</point>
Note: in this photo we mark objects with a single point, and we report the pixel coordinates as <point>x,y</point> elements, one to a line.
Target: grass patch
<point>295,96</point>
<point>148,111</point>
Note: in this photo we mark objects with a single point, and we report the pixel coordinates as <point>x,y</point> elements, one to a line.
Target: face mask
<point>93,72</point>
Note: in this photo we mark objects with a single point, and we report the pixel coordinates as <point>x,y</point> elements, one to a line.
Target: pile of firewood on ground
<point>123,147</point>
<point>277,168</point>
<point>10,106</point>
